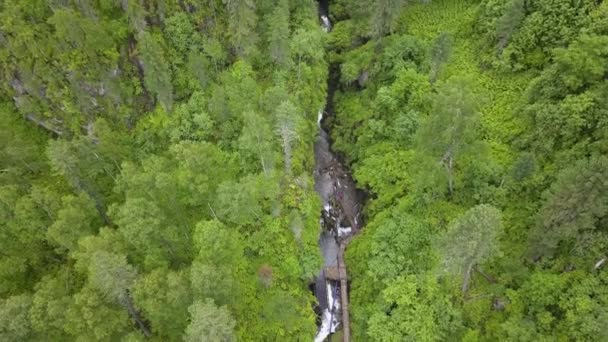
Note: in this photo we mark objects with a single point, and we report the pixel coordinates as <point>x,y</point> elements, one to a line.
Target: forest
<point>158,178</point>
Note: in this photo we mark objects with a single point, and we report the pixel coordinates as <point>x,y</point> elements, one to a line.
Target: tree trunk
<point>44,125</point>
<point>449,168</point>
<point>128,303</point>
<point>489,278</point>
<point>467,278</point>
<point>99,204</point>
<point>287,154</point>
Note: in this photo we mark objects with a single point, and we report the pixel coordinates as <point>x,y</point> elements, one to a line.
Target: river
<point>340,218</point>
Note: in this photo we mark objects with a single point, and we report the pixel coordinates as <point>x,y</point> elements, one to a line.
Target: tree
<point>156,241</point>
<point>288,119</point>
<point>79,162</point>
<point>221,249</point>
<point>256,139</point>
<point>571,92</point>
<point>91,318</point>
<point>440,52</point>
<point>401,245</point>
<point>245,202</point>
<point>306,46</point>
<point>566,305</point>
<point>278,36</point>
<point>209,322</point>
<point>471,239</point>
<point>509,22</point>
<point>14,318</point>
<point>75,220</point>
<point>575,207</point>
<point>20,153</point>
<point>52,297</point>
<point>164,297</point>
<point>242,25</point>
<point>24,219</point>
<point>180,32</point>
<point>384,16</point>
<point>111,275</point>
<point>449,131</point>
<point>157,76</point>
<point>417,309</point>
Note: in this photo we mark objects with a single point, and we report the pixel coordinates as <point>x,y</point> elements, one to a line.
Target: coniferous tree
<point>242,25</point>
<point>278,36</point>
<point>157,75</point>
<point>384,16</point>
<point>575,207</point>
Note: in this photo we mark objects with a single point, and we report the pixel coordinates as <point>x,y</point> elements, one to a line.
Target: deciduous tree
<point>471,239</point>
<point>209,322</point>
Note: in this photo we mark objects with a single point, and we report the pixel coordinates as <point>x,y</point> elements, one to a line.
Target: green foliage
<point>246,201</point>
<point>526,33</point>
<point>570,91</point>
<point>156,70</point>
<point>164,297</point>
<point>124,220</point>
<point>14,321</point>
<point>111,275</point>
<point>52,297</point>
<point>385,13</point>
<point>278,36</point>
<point>91,318</point>
<point>401,245</point>
<point>242,21</point>
<point>76,219</point>
<point>209,323</point>
<point>220,261</point>
<point>471,239</point>
<point>574,208</point>
<point>440,53</point>
<point>102,191</point>
<point>449,132</point>
<point>416,310</point>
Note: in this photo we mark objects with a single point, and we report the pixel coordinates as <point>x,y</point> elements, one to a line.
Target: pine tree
<point>384,16</point>
<point>157,75</point>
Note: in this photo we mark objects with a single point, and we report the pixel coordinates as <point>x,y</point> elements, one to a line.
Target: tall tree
<point>440,52</point>
<point>384,16</point>
<point>52,297</point>
<point>471,239</point>
<point>111,275</point>
<point>164,296</point>
<point>242,25</point>
<point>509,23</point>
<point>278,35</point>
<point>216,273</point>
<point>256,138</point>
<point>209,322</point>
<point>157,75</point>
<point>15,323</point>
<point>91,318</point>
<point>417,309</point>
<point>449,131</point>
<point>288,118</point>
<point>75,220</point>
<point>575,208</point>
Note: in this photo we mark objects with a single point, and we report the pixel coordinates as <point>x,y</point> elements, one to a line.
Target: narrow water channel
<point>340,218</point>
